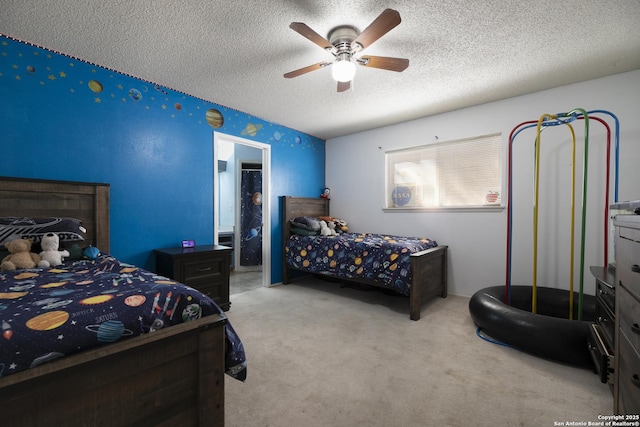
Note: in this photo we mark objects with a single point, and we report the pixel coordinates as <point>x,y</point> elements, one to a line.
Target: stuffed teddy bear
<point>20,257</point>
<point>325,230</point>
<point>50,255</point>
<point>339,225</point>
<point>332,227</point>
<point>91,252</point>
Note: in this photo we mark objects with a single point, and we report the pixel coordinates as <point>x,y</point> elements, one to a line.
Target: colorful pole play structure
<point>544,122</point>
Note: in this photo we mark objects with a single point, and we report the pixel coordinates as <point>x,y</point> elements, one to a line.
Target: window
<point>461,173</point>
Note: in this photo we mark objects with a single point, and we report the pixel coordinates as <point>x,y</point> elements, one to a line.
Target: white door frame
<point>266,197</point>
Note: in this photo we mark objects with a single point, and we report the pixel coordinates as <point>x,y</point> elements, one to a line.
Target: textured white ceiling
<point>234,53</point>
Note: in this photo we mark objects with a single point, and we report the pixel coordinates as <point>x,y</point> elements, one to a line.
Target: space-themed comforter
<point>376,257</point>
<point>49,313</point>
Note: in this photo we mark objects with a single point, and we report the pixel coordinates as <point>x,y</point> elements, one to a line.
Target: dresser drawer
<point>628,260</point>
<point>630,317</point>
<point>629,377</point>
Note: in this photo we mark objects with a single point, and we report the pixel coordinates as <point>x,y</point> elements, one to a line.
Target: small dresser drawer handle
<point>635,268</point>
<point>635,328</point>
<point>200,270</point>
<point>635,380</point>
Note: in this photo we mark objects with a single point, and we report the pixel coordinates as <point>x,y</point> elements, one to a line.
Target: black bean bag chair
<point>549,333</point>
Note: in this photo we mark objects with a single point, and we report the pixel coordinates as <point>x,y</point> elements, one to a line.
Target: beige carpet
<point>322,355</point>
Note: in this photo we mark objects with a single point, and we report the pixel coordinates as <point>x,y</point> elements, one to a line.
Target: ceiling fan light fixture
<point>343,69</point>
<point>345,42</point>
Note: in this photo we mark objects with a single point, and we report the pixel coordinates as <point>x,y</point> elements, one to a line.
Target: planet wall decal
<point>95,86</point>
<point>251,129</point>
<point>135,94</point>
<point>214,118</point>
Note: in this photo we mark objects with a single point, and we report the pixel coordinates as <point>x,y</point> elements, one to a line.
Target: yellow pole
<point>534,293</point>
<point>534,302</point>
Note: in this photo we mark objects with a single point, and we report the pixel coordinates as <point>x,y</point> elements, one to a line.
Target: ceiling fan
<point>345,42</point>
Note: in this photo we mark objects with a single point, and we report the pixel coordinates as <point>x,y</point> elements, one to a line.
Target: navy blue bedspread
<point>49,313</point>
<point>375,257</point>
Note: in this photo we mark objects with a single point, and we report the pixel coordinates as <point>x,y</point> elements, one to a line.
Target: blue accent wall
<point>66,119</point>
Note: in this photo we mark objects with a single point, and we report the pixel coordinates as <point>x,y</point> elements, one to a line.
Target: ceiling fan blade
<point>305,70</point>
<point>384,62</point>
<point>384,23</point>
<point>343,86</point>
<point>306,31</point>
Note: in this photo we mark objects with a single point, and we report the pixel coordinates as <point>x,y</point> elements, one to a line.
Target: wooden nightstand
<point>205,268</point>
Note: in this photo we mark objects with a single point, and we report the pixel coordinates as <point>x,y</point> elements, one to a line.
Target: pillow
<point>74,249</point>
<point>305,222</point>
<point>68,229</point>
<point>303,232</point>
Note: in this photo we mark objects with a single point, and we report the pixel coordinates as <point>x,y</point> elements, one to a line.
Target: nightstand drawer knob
<point>635,328</point>
<point>635,268</point>
<point>202,270</point>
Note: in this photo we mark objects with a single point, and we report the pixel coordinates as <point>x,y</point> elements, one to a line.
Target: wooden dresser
<point>205,268</point>
<point>626,393</point>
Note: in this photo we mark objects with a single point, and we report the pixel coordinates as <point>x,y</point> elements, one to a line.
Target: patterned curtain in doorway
<point>251,218</point>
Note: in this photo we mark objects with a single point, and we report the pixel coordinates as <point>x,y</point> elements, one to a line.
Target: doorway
<point>230,153</point>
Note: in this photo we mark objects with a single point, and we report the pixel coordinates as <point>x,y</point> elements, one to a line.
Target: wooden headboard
<point>89,202</point>
<point>293,207</point>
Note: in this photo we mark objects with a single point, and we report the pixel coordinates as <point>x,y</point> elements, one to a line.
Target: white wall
<point>477,240</point>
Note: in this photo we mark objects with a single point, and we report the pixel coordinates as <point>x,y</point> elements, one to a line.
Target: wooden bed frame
<point>429,267</point>
<point>174,376</point>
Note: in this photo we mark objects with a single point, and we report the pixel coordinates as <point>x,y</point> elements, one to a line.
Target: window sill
<point>480,208</point>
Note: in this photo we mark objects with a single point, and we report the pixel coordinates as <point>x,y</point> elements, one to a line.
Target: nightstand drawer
<point>194,269</point>
<point>606,323</point>
<point>601,354</point>
<point>210,290</point>
<point>606,296</point>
